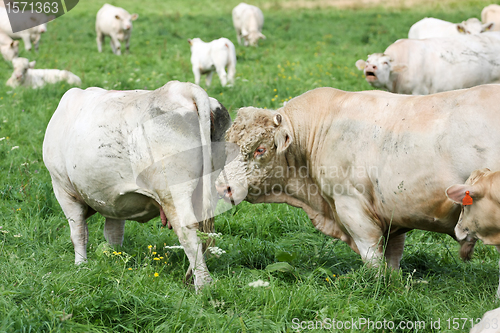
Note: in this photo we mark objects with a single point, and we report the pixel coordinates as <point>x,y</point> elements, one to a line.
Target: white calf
<point>248,21</point>
<point>25,75</point>
<point>116,23</point>
<point>215,55</point>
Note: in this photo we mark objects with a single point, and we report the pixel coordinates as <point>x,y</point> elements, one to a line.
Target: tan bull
<point>366,166</point>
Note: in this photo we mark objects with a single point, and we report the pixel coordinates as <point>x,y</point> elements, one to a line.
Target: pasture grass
<point>41,290</point>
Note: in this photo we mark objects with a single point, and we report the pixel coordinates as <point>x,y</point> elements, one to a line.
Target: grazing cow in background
<point>491,14</point>
<point>366,166</point>
<point>25,75</point>
<point>8,47</point>
<point>248,21</point>
<point>136,155</point>
<point>116,23</point>
<point>480,218</point>
<point>428,66</point>
<point>430,27</point>
<point>29,36</point>
<point>213,56</point>
<point>490,323</point>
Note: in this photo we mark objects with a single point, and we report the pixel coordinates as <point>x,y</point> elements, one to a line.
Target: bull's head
<point>262,136</point>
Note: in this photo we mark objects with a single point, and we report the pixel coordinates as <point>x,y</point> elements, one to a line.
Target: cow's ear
<point>134,17</point>
<point>190,41</point>
<point>461,28</point>
<point>32,64</point>
<point>282,137</point>
<point>244,33</point>
<point>488,26</point>
<point>399,68</point>
<point>15,43</point>
<point>361,64</point>
<point>456,193</point>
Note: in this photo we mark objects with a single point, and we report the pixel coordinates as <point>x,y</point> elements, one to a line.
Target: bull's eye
<point>259,151</point>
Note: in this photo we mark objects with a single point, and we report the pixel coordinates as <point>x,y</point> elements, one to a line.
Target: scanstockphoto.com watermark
<point>363,324</point>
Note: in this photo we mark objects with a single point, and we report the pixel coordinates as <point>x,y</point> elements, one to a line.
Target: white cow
<point>490,323</point>
<point>25,75</point>
<point>8,47</point>
<point>248,21</point>
<point>29,36</point>
<point>213,56</point>
<point>430,27</point>
<point>427,66</point>
<point>491,14</point>
<point>136,155</point>
<point>116,23</point>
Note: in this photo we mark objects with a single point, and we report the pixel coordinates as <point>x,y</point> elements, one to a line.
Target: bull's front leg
<point>366,233</point>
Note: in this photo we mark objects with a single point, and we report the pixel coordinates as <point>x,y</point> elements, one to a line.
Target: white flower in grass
<point>216,250</point>
<point>1,139</point>
<point>259,283</point>
<point>173,247</point>
<point>15,147</point>
<point>214,235</point>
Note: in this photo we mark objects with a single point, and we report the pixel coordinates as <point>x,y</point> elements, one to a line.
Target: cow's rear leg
<point>394,250</point>
<point>113,231</point>
<point>76,212</point>
<point>185,225</point>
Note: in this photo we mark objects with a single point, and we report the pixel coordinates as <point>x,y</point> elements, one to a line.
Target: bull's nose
<point>224,191</point>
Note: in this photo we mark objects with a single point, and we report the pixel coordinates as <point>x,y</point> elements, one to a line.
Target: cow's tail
<point>204,115</point>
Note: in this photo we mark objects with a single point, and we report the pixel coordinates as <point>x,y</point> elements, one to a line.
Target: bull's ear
<point>461,28</point>
<point>456,193</point>
<point>488,26</point>
<point>32,64</point>
<point>361,64</point>
<point>190,41</point>
<point>399,68</point>
<point>134,17</point>
<point>282,137</point>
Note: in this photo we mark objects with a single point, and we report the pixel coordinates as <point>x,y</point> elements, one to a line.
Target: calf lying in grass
<point>25,75</point>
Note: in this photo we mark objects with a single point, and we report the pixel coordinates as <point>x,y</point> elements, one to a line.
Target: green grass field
<point>139,288</point>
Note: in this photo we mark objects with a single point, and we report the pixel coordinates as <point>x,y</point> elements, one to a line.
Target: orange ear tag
<point>467,200</point>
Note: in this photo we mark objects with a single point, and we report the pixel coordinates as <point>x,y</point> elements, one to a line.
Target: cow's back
<point>443,64</point>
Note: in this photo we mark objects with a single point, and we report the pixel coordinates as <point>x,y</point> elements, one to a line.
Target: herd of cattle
<point>366,167</point>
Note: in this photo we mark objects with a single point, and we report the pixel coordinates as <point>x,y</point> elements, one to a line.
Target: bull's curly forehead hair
<point>250,127</point>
